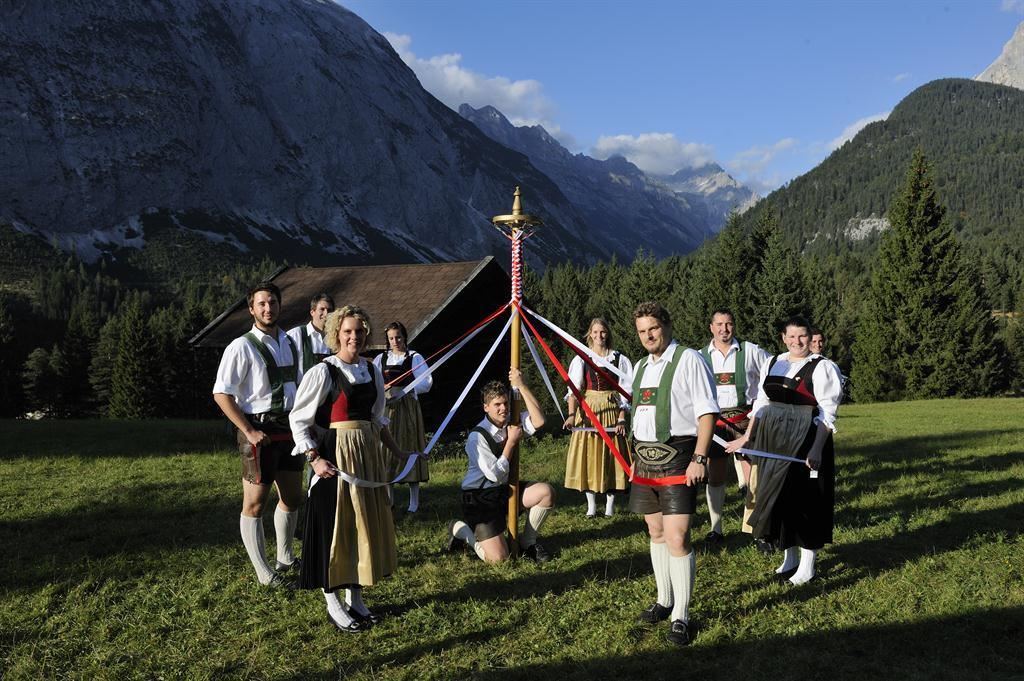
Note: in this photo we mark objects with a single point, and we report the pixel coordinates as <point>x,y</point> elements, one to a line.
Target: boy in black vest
<point>255,388</point>
<point>485,488</point>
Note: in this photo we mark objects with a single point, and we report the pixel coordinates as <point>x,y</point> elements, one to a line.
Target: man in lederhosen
<point>255,388</point>
<point>309,337</point>
<point>674,412</point>
<point>736,366</point>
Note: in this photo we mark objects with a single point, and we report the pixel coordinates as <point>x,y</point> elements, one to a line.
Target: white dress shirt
<point>316,341</point>
<point>316,387</point>
<point>693,394</point>
<point>419,367</point>
<point>243,374</point>
<point>826,384</point>
<point>577,368</point>
<point>754,357</point>
<point>485,469</point>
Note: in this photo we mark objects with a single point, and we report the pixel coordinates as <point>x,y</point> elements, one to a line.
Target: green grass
<point>121,559</point>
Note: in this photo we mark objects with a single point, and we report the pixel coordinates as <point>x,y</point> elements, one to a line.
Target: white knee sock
<point>716,501</point>
<point>354,599</point>
<point>789,561</point>
<point>464,532</point>
<point>414,497</point>
<point>252,538</point>
<point>336,609</point>
<point>591,503</point>
<point>805,572</point>
<point>609,504</point>
<point>284,528</point>
<point>659,560</point>
<point>682,569</point>
<point>535,518</point>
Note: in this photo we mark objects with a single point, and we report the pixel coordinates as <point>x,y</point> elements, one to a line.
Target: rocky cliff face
<point>268,125</point>
<point>623,206</point>
<point>1008,68</point>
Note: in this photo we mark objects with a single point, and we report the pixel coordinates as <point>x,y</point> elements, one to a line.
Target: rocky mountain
<point>199,130</point>
<point>624,206</point>
<point>1008,68</point>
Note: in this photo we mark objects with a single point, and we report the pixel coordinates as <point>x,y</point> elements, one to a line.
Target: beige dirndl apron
<point>589,464</point>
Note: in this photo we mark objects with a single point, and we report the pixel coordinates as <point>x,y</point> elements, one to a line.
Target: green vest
<point>659,396</point>
<point>309,358</point>
<point>737,378</point>
<point>278,375</point>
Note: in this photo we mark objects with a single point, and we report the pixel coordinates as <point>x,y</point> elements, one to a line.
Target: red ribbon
<point>482,323</point>
<point>654,482</point>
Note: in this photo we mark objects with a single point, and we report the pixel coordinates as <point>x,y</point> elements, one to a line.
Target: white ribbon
<point>430,369</point>
<point>543,371</point>
<point>755,452</point>
<point>600,361</point>
<point>358,482</point>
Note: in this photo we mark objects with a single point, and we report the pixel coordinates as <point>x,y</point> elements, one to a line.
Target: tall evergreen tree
<point>925,331</point>
<point>778,290</point>
<point>134,376</point>
<point>41,380</point>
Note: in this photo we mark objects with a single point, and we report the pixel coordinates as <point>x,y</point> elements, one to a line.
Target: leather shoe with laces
<point>453,544</point>
<point>654,614</point>
<point>678,633</point>
<point>536,553</point>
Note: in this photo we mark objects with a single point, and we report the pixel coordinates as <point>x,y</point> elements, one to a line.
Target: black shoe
<point>355,627</point>
<point>713,540</point>
<point>280,582</point>
<point>783,577</point>
<point>536,553</point>
<point>294,566</point>
<point>742,491</point>
<point>452,543</point>
<point>654,614</point>
<point>369,619</point>
<point>764,546</point>
<point>678,633</point>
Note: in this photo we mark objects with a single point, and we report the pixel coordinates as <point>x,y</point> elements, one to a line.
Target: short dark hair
<point>815,331</point>
<point>653,309</point>
<point>797,320</point>
<point>723,310</point>
<point>267,286</point>
<point>315,300</point>
<point>493,389</point>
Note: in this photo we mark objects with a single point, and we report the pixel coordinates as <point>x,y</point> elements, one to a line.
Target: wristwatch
<point>701,459</point>
<point>311,455</point>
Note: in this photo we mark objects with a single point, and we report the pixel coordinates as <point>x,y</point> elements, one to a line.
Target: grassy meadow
<point>120,559</point>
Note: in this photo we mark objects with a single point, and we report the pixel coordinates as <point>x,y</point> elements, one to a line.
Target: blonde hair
<point>608,332</point>
<point>335,319</point>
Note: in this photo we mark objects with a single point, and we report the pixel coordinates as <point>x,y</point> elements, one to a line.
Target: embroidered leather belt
<point>654,453</point>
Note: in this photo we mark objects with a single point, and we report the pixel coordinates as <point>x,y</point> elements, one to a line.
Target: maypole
<point>519,226</point>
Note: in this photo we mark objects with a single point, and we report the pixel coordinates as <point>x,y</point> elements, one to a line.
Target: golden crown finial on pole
<point>517,220</point>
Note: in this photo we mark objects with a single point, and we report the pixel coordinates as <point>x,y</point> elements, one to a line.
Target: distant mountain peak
<point>1008,68</point>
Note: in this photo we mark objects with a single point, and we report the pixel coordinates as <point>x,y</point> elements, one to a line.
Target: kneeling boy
<point>485,488</point>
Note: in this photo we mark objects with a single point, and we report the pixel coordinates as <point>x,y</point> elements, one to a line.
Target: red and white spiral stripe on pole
<point>517,266</point>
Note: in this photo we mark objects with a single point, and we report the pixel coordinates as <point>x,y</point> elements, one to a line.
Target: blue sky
<point>765,88</point>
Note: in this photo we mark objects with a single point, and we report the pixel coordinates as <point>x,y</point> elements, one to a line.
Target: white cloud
<point>900,77</point>
<point>754,160</point>
<point>1013,6</point>
<point>853,128</point>
<point>659,153</point>
<point>522,101</point>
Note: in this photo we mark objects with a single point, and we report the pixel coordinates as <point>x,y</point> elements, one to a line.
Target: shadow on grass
<point>140,520</point>
<point>99,438</point>
<point>976,645</point>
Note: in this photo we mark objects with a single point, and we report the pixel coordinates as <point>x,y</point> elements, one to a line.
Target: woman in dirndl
<point>338,422</point>
<point>590,465</point>
<point>402,367</point>
<point>794,415</point>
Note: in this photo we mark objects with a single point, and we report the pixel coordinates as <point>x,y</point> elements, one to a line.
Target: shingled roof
<point>412,294</point>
